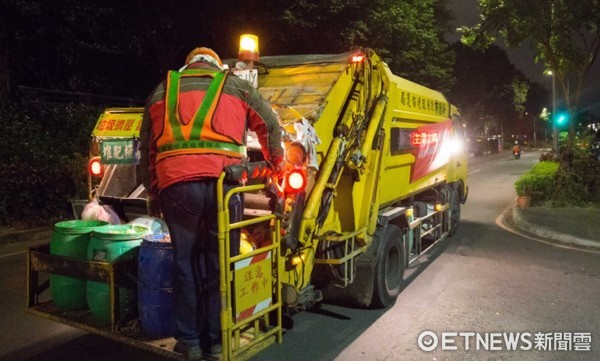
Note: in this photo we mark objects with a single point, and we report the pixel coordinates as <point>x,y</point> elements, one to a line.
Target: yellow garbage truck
<point>376,175</point>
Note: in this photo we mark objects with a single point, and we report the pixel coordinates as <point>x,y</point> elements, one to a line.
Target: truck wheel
<point>454,212</point>
<point>389,271</point>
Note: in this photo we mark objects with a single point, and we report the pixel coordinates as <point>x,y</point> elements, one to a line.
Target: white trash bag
<point>93,211</point>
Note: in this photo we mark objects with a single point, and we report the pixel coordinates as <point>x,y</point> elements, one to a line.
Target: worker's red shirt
<point>239,108</point>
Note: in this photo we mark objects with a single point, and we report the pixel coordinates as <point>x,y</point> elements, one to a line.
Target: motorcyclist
<point>516,147</point>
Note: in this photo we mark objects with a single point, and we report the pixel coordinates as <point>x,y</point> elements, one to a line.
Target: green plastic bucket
<point>71,239</point>
<point>113,244</point>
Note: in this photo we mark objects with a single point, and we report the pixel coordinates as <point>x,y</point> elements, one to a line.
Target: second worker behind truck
<point>194,125</point>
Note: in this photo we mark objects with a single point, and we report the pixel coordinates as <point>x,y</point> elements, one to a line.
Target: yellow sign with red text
<point>253,285</point>
<point>119,122</point>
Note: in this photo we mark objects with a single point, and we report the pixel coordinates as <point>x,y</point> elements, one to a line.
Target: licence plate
<point>248,74</point>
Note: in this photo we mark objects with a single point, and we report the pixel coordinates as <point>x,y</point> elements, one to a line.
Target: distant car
<point>494,144</point>
<point>477,146</point>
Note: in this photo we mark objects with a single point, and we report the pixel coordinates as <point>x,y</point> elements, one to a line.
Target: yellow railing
<point>243,337</point>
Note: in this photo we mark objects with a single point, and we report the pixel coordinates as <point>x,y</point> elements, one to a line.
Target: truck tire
<point>389,270</point>
<point>454,211</point>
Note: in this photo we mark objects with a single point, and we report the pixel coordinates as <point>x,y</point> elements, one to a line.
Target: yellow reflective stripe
<point>207,108</point>
<point>207,144</point>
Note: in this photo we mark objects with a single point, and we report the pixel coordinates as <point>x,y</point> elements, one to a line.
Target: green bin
<point>113,244</point>
<point>71,239</point>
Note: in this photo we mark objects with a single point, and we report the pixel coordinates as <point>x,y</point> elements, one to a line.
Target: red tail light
<point>295,181</point>
<point>95,168</point>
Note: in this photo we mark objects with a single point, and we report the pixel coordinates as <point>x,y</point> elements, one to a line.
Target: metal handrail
<point>231,328</point>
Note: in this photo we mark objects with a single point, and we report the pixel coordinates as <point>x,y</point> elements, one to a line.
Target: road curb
<point>513,217</point>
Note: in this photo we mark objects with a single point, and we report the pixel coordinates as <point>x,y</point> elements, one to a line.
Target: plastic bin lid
<point>78,226</point>
<point>122,232</point>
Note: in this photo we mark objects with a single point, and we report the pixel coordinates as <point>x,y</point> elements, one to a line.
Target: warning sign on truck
<point>119,123</point>
<point>253,285</point>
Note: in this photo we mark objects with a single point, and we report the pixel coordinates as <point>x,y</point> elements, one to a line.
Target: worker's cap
<point>204,54</point>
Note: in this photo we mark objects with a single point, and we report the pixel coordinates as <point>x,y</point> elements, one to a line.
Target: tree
<point>489,90</point>
<point>71,45</point>
<point>565,35</point>
<point>407,34</point>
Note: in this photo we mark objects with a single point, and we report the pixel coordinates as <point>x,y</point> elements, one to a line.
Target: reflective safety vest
<point>198,136</point>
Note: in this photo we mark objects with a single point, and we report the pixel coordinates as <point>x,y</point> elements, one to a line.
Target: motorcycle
<point>517,153</point>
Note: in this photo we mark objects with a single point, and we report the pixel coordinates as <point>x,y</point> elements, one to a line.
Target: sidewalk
<point>578,227</point>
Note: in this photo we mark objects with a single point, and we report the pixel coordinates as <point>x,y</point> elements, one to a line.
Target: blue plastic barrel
<point>155,287</point>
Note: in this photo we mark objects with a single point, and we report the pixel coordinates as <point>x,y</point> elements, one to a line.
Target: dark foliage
<point>560,184</point>
<point>123,48</point>
<point>43,149</point>
<point>578,179</point>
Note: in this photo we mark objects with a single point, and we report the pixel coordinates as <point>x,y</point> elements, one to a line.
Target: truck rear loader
<point>376,175</point>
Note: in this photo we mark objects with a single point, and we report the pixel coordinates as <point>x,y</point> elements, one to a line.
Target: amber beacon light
<point>248,50</point>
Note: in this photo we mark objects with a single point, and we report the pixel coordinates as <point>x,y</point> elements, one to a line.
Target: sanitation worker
<point>194,125</point>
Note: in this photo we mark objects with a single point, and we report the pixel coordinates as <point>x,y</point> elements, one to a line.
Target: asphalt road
<point>484,282</point>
